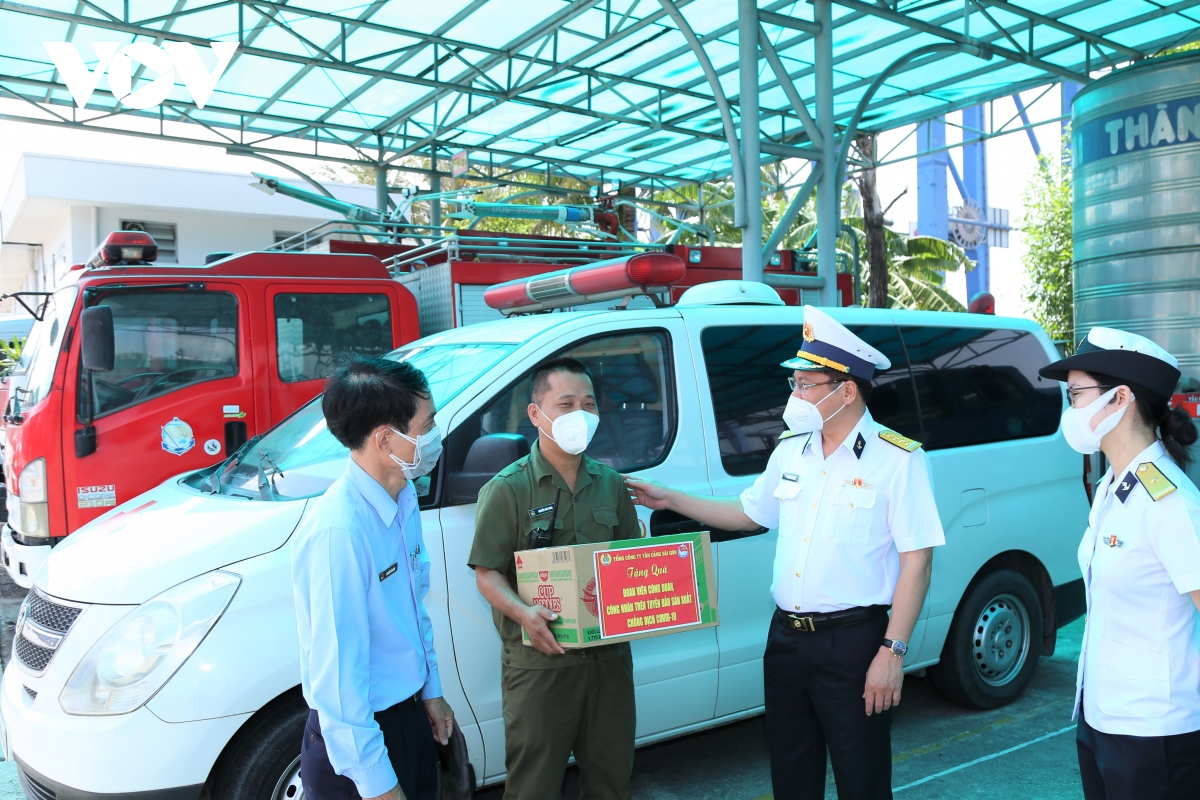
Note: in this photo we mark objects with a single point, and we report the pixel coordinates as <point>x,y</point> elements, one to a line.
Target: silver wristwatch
<point>899,649</point>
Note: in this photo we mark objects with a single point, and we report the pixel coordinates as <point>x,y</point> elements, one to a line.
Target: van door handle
<point>669,523</point>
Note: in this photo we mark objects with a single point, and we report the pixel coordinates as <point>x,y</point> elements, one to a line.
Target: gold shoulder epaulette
<point>903,442</point>
<point>1155,482</point>
<point>787,435</point>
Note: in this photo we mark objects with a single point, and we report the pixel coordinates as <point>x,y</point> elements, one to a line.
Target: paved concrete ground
<point>11,597</point>
<point>942,751</point>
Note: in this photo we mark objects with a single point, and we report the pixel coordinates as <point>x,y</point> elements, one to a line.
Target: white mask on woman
<point>572,431</point>
<point>1077,423</point>
<point>802,416</point>
<point>425,455</point>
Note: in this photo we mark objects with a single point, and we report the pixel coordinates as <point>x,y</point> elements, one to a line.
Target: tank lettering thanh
<point>1154,125</point>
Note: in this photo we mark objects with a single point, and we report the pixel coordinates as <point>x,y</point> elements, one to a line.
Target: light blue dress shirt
<point>359,573</point>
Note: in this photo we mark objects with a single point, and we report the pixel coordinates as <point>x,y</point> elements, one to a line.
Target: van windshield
<point>300,457</point>
<point>40,354</point>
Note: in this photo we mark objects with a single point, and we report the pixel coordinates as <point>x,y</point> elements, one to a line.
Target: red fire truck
<point>449,274</point>
<point>135,371</point>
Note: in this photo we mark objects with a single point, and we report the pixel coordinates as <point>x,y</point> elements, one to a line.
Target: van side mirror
<point>487,456</point>
<point>97,340</point>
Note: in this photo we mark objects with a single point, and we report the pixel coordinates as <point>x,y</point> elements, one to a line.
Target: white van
<point>157,655</point>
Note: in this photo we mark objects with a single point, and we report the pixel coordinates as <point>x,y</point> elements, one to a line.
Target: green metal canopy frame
<point>650,92</point>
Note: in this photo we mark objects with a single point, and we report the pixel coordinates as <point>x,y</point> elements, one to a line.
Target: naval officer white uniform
<point>1137,695</point>
<point>854,507</point>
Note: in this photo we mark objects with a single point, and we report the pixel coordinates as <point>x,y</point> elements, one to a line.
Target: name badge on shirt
<point>537,512</point>
<point>389,572</point>
<point>787,476</point>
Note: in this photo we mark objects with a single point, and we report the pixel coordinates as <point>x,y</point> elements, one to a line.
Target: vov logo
<point>165,62</point>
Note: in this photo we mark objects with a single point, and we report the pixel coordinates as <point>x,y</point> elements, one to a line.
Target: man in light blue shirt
<point>360,572</point>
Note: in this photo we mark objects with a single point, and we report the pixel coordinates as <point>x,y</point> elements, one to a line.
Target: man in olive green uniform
<point>556,701</point>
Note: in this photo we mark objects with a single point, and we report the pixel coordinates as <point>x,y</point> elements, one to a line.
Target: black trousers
<point>1115,767</point>
<point>815,710</point>
<point>410,747</point>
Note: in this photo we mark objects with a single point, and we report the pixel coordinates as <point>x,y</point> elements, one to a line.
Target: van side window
<point>749,388</point>
<point>166,341</point>
<point>634,395</point>
<point>978,385</point>
<point>310,329</point>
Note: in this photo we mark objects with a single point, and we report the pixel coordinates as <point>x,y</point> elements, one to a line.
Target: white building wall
<point>56,210</point>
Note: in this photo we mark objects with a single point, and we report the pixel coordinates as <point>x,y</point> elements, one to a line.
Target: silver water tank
<point>1136,152</point>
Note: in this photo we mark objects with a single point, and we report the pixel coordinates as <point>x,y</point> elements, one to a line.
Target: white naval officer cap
<point>1123,355</point>
<point>829,345</point>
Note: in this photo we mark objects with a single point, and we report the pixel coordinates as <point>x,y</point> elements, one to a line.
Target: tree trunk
<point>877,283</point>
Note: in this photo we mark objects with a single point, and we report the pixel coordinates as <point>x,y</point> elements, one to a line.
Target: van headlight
<point>141,652</point>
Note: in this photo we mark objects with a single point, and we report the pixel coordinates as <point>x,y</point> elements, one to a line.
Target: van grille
<point>50,615</point>
<point>32,655</point>
<point>32,694</point>
<point>34,789</point>
<point>54,617</point>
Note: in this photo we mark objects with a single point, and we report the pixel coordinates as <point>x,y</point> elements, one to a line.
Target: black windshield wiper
<point>214,480</point>
<point>266,484</point>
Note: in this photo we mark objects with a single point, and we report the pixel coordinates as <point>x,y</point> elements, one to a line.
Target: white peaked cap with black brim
<point>829,345</point>
<point>1123,355</point>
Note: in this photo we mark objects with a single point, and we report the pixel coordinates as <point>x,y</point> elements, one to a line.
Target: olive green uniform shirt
<point>520,498</point>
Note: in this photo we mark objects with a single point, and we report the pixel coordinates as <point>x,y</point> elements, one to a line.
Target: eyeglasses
<point>1072,394</point>
<point>804,387</point>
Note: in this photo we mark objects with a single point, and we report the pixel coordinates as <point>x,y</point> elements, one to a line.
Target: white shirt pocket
<point>1131,682</point>
<point>788,495</point>
<point>851,513</point>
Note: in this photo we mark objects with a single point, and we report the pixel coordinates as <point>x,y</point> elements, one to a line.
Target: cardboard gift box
<point>619,591</point>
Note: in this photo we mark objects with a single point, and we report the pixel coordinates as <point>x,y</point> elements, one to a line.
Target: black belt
<point>819,622</point>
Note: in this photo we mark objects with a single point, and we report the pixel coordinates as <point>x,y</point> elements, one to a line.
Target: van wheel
<point>992,648</point>
<point>263,761</point>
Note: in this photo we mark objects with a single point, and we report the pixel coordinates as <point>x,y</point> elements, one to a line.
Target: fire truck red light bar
<point>122,247</point>
<point>618,277</point>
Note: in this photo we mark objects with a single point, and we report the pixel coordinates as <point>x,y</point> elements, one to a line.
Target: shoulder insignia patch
<point>903,442</point>
<point>1155,482</point>
<point>787,435</point>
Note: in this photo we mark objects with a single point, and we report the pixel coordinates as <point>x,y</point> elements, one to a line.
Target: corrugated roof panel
<point>324,87</point>
<point>387,97</point>
<point>254,76</point>
<point>501,21</point>
<point>422,17</point>
<point>462,90</point>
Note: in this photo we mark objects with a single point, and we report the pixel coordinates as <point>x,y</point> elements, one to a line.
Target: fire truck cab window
<point>634,394</point>
<point>311,329</point>
<point>166,341</point>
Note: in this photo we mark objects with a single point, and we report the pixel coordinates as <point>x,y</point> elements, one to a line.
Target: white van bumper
<point>134,754</point>
<point>21,560</point>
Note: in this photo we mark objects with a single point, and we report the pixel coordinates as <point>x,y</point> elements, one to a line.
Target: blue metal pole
<point>829,189</point>
<point>752,266</point>
<point>1033,142</point>
<point>933,209</point>
<point>975,184</point>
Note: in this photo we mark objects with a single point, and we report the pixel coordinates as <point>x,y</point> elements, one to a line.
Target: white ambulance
<point>157,654</point>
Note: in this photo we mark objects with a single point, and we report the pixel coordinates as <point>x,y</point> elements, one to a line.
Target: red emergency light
<point>982,303</point>
<point>641,273</point>
<point>124,247</point>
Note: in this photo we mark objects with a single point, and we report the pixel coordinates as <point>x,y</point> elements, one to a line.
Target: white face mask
<point>572,431</point>
<point>1077,424</point>
<point>425,455</point>
<point>802,416</point>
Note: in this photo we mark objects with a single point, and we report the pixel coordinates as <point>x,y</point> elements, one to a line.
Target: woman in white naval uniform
<point>1138,693</point>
